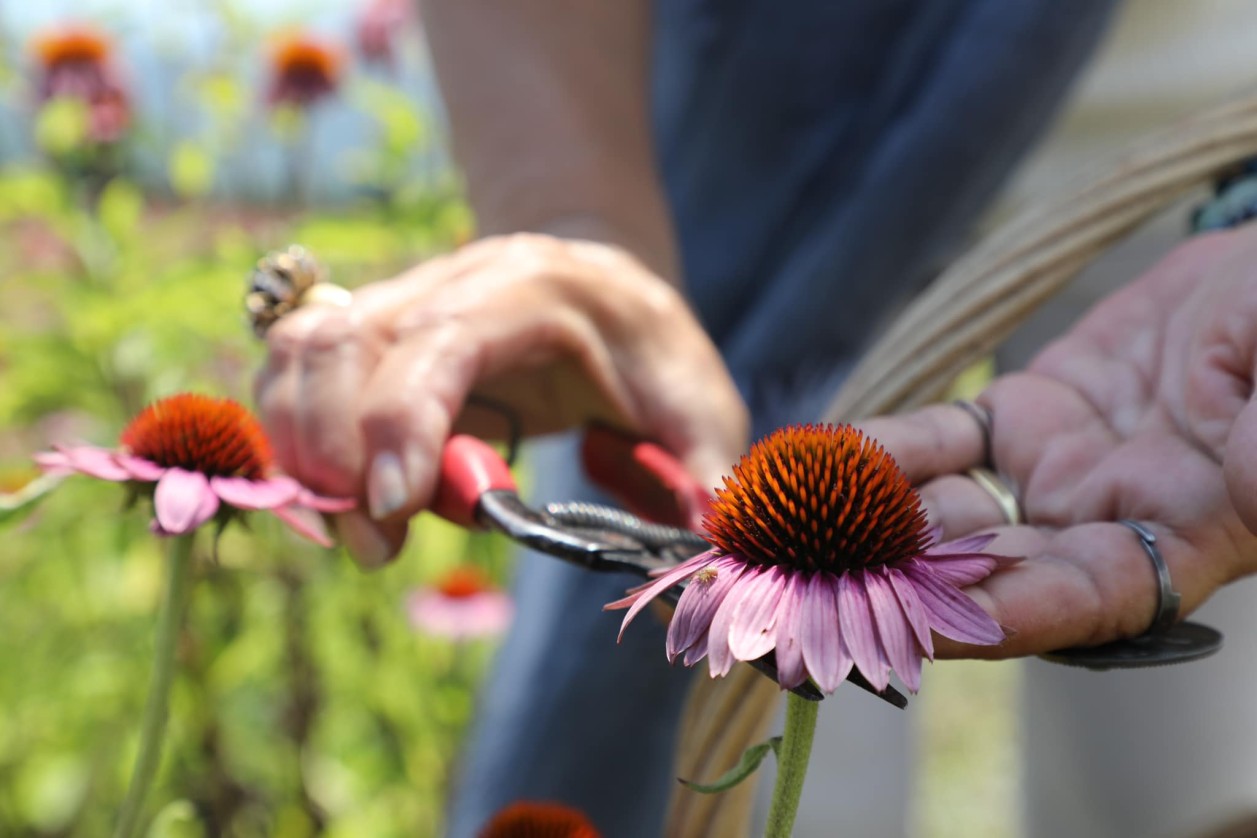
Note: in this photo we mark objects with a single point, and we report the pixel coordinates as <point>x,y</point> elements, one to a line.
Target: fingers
<point>960,506</point>
<point>935,440</point>
<point>360,400</point>
<point>1083,586</point>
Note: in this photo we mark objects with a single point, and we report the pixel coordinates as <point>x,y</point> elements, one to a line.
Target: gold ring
<point>1003,496</point>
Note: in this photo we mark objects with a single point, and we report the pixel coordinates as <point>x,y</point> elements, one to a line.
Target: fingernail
<point>365,543</point>
<point>386,485</point>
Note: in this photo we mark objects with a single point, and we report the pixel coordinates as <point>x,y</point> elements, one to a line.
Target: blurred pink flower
<point>463,605</point>
<point>378,25</point>
<point>822,553</point>
<point>76,62</point>
<point>304,70</point>
<point>200,457</point>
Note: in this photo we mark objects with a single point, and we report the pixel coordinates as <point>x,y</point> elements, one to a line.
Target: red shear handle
<point>645,477</point>
<point>469,468</point>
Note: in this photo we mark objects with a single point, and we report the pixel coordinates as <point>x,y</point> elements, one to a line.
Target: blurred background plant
<point>143,170</point>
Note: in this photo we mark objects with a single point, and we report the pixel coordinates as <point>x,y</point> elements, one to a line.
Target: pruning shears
<point>656,530</point>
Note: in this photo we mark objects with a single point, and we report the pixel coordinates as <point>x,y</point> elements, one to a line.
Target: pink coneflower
<point>528,819</point>
<point>821,552</point>
<point>463,604</point>
<point>76,62</point>
<point>200,457</point>
<point>304,70</point>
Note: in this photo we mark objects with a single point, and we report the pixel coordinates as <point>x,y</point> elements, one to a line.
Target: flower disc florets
<point>818,497</point>
<point>216,437</point>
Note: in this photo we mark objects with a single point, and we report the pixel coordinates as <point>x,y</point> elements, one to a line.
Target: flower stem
<point>153,725</point>
<point>796,748</point>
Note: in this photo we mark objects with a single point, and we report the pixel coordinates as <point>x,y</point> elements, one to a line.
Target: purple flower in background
<point>304,70</point>
<point>378,25</point>
<point>822,553</point>
<point>462,605</point>
<point>76,62</point>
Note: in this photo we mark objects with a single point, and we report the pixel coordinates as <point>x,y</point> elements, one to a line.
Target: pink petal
<point>859,631</point>
<point>968,544</point>
<point>698,604</point>
<point>824,652</point>
<point>183,501</point>
<point>139,468</point>
<point>913,609</point>
<point>952,613</point>
<point>305,523</point>
<point>720,656</point>
<point>790,669</point>
<point>319,503</point>
<point>638,600</point>
<point>893,628</point>
<point>54,463</point>
<point>963,572</point>
<point>696,652</point>
<point>95,462</point>
<point>480,615</point>
<point>243,493</point>
<point>751,635</point>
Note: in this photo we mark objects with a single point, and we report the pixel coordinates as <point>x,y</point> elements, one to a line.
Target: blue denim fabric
<point>822,160</point>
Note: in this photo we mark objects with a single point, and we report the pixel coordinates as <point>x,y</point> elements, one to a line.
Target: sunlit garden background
<point>149,155</point>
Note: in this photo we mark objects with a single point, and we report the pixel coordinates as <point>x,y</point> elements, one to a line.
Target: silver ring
<point>1005,498</point>
<point>986,425</point>
<point>1168,599</point>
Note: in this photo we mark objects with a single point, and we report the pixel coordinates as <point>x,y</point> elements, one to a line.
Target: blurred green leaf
<point>17,505</point>
<point>119,208</point>
<point>191,170</point>
<point>177,819</point>
<point>50,788</point>
<point>61,125</point>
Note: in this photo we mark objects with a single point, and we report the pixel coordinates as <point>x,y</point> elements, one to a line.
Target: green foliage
<point>305,704</point>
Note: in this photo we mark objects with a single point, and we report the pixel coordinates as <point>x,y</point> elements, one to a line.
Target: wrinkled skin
<point>562,331</point>
<point>1144,411</point>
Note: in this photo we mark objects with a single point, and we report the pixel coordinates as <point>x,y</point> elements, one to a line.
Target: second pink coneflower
<point>201,458</point>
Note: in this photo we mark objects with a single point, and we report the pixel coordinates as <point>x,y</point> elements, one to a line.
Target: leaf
<point>191,170</point>
<point>751,758</point>
<point>120,208</point>
<point>15,506</point>
<point>61,126</point>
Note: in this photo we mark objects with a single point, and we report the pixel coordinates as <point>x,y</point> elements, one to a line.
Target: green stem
<point>153,725</point>
<point>796,748</point>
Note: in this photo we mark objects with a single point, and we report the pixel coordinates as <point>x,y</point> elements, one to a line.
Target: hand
<point>360,400</point>
<point>1143,411</point>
